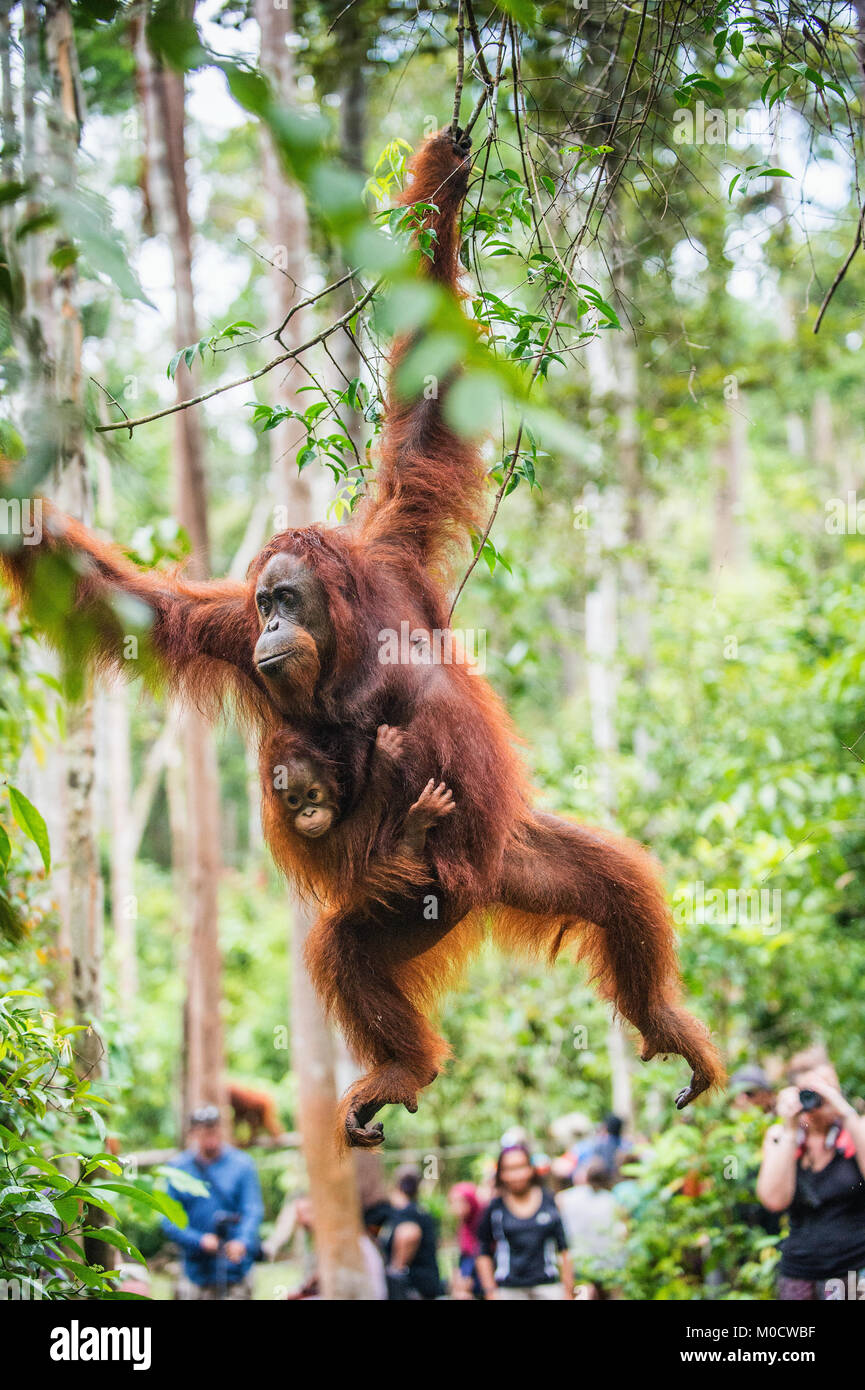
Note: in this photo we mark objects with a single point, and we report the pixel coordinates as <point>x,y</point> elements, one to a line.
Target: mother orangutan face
<point>296,638</point>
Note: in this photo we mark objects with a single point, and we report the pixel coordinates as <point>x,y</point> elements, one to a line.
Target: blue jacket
<point>233,1193</point>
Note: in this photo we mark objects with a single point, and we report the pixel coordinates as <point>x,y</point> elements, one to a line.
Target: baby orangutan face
<point>310,798</point>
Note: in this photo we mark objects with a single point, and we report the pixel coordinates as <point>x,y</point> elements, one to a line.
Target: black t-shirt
<point>827,1222</point>
<point>523,1247</point>
<point>423,1272</point>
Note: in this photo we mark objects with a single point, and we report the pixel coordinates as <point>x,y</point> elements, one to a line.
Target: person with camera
<point>220,1240</point>
<point>813,1169</point>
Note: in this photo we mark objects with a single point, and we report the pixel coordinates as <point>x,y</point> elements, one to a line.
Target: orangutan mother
<point>299,648</point>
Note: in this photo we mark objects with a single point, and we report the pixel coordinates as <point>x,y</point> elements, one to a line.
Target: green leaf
<point>111,1236</point>
<point>523,12</point>
<point>12,191</point>
<point>86,217</point>
<point>31,822</point>
<point>64,256</point>
<point>11,443</point>
<point>156,1201</point>
<point>5,849</point>
<point>11,926</point>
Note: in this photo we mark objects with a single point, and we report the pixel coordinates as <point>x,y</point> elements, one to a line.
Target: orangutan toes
<point>360,1136</point>
<point>359,1133</point>
<point>698,1084</point>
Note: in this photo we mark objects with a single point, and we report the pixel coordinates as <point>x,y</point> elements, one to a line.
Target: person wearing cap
<point>750,1088</point>
<point>220,1240</point>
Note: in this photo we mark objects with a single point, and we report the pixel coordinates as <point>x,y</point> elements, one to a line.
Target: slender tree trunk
<point>729,548</point>
<point>332,1179</point>
<point>636,588</point>
<point>83,897</point>
<point>34,330</point>
<point>349,363</point>
<point>287,234</point>
<point>603,598</point>
<point>84,884</point>
<point>602,638</point>
<point>163,99</point>
<point>124,906</point>
<point>8,134</point>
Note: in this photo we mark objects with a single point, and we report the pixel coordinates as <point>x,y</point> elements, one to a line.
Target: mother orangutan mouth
<point>273,658</point>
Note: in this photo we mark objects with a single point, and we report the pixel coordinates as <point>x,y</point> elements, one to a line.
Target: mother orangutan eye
<point>263,602</point>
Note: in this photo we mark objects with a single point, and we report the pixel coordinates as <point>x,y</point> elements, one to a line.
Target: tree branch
<point>857,242</point>
<point>253,376</point>
<point>458,89</point>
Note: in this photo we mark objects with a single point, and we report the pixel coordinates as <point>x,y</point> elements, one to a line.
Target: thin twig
<point>311,299</point>
<point>485,74</point>
<point>461,58</point>
<point>343,11</point>
<point>267,261</point>
<point>489,94</point>
<point>573,251</point>
<point>509,473</point>
<point>113,400</point>
<point>489,526</point>
<point>253,376</point>
<point>857,242</point>
<point>515,75</point>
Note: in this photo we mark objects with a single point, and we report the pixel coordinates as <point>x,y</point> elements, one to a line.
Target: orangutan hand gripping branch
<point>298,648</point>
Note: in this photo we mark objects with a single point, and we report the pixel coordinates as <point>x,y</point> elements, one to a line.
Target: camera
<point>224,1223</point>
<point>810,1100</point>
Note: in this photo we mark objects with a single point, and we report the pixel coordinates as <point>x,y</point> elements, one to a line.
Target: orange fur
<point>255,1108</point>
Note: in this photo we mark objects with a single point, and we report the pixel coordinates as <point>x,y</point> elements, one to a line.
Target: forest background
<point>669,601</point>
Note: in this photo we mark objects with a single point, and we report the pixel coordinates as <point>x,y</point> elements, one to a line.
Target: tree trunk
<point>332,1179</point>
<point>84,884</point>
<point>287,234</point>
<point>124,907</point>
<point>604,541</point>
<point>163,100</point>
<point>602,602</point>
<point>83,897</point>
<point>352,135</point>
<point>729,547</point>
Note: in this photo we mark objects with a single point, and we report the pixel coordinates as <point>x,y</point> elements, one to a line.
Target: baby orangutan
<point>309,790</point>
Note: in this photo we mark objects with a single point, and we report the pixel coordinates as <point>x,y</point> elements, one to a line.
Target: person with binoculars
<point>813,1168</point>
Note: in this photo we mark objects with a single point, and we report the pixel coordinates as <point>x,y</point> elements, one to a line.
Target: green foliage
<point>694,1223</point>
<point>53,1174</point>
<point>232,331</point>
